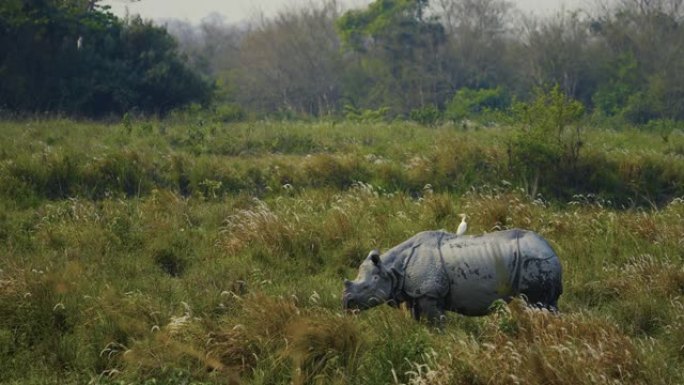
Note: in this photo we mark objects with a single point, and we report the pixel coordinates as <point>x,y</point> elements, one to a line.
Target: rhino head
<point>373,285</point>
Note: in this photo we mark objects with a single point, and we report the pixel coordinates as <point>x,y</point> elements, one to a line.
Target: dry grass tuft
<point>675,329</point>
<point>441,211</point>
<point>660,276</point>
<point>232,347</point>
<point>324,349</point>
<point>206,349</point>
<point>11,284</point>
<point>520,345</point>
<point>259,225</point>
<point>338,171</point>
<point>260,329</point>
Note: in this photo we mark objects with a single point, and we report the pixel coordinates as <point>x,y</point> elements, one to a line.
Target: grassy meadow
<point>161,252</point>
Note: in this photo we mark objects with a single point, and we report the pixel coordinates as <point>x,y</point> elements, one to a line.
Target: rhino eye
<point>375,278</point>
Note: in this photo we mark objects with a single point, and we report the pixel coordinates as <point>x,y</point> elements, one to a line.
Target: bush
<point>663,127</point>
<point>543,138</point>
<point>118,66</point>
<point>468,102</point>
<point>367,115</point>
<point>230,112</point>
<point>640,109</point>
<point>426,116</point>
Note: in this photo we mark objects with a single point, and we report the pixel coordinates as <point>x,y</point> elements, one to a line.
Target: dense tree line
<point>417,59</point>
<point>74,57</point>
<point>409,56</point>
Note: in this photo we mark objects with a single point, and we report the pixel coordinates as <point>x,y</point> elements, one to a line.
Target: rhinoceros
<point>434,271</point>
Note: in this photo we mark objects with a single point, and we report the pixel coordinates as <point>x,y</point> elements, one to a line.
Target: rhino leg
<point>415,309</point>
<point>431,308</point>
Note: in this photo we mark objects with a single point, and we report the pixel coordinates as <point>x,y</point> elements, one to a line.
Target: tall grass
<point>57,160</point>
<point>150,256</point>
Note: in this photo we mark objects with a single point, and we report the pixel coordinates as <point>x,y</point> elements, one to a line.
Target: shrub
<point>229,112</point>
<point>426,116</point>
<point>468,102</point>
<point>547,134</point>
<point>353,114</point>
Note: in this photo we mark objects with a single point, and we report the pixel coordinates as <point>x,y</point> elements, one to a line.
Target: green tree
<point>397,55</point>
<point>77,58</point>
<point>157,77</point>
<point>644,43</point>
<point>621,81</point>
<point>548,137</point>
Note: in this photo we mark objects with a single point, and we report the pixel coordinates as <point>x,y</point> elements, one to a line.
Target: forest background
<point>445,59</point>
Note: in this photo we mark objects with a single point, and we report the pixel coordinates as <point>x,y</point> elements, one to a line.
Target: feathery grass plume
<point>259,225</point>
<point>440,212</point>
<point>436,369</point>
<point>301,225</point>
<point>633,287</point>
<point>674,330</point>
<point>526,346</point>
<point>144,343</point>
<point>501,210</point>
<point>647,274</point>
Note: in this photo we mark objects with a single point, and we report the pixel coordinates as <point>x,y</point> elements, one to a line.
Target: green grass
<point>187,253</point>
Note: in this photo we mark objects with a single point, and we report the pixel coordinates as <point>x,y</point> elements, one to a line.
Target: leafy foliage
<point>395,42</point>
<point>548,135</point>
<point>368,115</point>
<point>65,57</point>
<point>427,115</point>
<point>468,102</point>
<point>623,62</point>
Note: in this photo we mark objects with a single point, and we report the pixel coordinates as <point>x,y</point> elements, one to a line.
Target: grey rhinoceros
<point>434,271</point>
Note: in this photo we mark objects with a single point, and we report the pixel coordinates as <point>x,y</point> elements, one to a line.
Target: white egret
<point>463,226</point>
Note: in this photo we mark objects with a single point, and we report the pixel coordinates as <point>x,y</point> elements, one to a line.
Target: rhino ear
<point>374,256</point>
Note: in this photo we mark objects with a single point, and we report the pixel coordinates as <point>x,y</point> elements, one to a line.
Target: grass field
<point>154,252</point>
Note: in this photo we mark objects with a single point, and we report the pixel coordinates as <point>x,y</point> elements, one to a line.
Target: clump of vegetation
<point>88,62</point>
<point>264,159</point>
<point>469,103</point>
<point>428,115</point>
<point>549,138</point>
<point>354,114</point>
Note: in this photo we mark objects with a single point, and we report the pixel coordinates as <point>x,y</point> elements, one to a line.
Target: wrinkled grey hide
<point>435,271</point>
